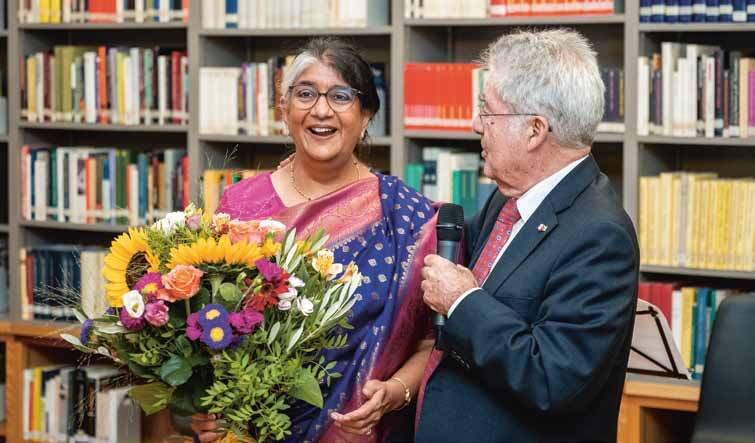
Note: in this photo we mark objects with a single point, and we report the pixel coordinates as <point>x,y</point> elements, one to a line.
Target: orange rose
<point>248,231</point>
<point>181,283</point>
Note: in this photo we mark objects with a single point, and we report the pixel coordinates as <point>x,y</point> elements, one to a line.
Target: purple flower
<point>269,270</point>
<point>193,330</point>
<point>194,222</point>
<point>150,284</point>
<point>86,329</point>
<point>131,323</point>
<point>156,313</point>
<point>213,314</point>
<point>111,311</point>
<point>218,336</point>
<point>245,321</point>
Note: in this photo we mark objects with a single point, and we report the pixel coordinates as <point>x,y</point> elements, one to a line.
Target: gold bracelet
<point>407,393</point>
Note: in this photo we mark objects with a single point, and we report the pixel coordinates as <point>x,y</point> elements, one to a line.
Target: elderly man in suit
<point>539,326</point>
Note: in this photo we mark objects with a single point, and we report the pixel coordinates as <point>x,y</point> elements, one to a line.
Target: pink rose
<point>156,313</point>
<point>181,283</point>
<point>248,231</point>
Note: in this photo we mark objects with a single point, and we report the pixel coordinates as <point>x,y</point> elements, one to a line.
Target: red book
<point>102,89</point>
<point>175,82</point>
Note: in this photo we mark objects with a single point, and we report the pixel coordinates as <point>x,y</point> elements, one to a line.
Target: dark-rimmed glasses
<point>339,98</point>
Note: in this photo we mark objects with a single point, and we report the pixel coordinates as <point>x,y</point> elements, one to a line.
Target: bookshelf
<point>619,40</point>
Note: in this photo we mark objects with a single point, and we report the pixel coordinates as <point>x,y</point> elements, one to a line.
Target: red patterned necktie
<point>498,237</point>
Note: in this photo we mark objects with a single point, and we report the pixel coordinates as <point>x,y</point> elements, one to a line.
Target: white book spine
<point>89,87</point>
<point>643,96</point>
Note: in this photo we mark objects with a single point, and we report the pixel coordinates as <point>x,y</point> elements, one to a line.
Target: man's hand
<point>377,395</point>
<point>443,282</point>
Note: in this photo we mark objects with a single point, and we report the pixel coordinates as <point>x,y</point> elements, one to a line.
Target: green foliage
<point>307,388</point>
<point>176,371</point>
<point>152,397</point>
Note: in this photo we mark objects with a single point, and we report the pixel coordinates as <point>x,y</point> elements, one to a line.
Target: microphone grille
<point>451,214</point>
<point>450,222</point>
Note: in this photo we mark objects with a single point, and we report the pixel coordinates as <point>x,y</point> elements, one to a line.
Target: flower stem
<point>188,308</point>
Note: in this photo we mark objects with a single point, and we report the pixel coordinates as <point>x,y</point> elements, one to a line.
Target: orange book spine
<point>499,8</point>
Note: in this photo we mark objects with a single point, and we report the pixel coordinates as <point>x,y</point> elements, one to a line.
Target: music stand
<point>653,350</point>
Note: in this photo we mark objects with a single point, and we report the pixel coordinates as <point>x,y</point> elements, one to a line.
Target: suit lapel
<point>529,237</point>
<point>526,240</point>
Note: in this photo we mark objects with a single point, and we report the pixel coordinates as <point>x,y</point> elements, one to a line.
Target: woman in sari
<point>374,220</point>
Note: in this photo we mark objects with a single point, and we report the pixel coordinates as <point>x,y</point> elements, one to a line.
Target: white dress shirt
<point>527,204</point>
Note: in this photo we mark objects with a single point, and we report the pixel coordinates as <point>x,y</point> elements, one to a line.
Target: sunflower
<point>207,250</point>
<point>129,259</point>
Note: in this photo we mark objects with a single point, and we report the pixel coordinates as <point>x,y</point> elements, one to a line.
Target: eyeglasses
<point>482,114</point>
<point>339,98</point>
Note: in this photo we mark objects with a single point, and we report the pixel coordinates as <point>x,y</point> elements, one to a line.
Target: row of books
<point>450,175</point>
<point>690,312</point>
<point>697,220</point>
<point>88,84</point>
<point>56,278</point>
<point>696,90</point>
<point>504,8</point>
<point>79,405</point>
<point>697,11</point>
<point>102,185</point>
<point>102,11</point>
<point>215,181</point>
<point>271,14</point>
<point>424,108</point>
<point>463,83</point>
<point>246,100</point>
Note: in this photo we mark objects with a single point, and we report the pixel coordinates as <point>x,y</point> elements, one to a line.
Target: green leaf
<point>215,282</point>
<point>229,292</point>
<point>181,402</point>
<point>176,315</point>
<point>139,370</point>
<point>198,360</point>
<point>307,389</point>
<point>152,397</point>
<point>184,346</point>
<point>175,371</point>
<point>201,298</point>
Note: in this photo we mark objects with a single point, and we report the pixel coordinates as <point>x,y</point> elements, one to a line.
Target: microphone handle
<point>449,250</point>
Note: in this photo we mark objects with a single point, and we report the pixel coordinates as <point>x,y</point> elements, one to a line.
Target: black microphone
<point>448,231</point>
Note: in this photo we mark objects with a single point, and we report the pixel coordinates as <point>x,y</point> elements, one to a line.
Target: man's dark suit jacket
<point>539,353</point>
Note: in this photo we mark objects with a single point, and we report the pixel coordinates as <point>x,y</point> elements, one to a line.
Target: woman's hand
<point>380,398</point>
<point>205,427</point>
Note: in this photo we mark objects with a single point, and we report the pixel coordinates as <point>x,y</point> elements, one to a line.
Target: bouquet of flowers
<point>222,316</point>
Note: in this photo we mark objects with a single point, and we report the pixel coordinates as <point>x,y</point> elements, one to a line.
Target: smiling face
<point>320,133</point>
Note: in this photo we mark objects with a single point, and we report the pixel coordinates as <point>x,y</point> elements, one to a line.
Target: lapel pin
<point>542,228</point>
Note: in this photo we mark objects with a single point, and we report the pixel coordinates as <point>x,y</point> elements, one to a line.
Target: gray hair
<point>552,73</point>
<point>301,63</point>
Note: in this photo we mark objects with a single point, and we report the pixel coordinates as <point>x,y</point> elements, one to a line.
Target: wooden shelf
<point>271,139</point>
<point>83,227</point>
<point>38,328</point>
<point>697,141</point>
<point>671,270</point>
<point>697,27</point>
<point>602,137</point>
<point>151,26</point>
<point>4,228</point>
<point>296,32</point>
<point>103,127</point>
<point>519,21</point>
<point>662,387</point>
<point>4,138</point>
